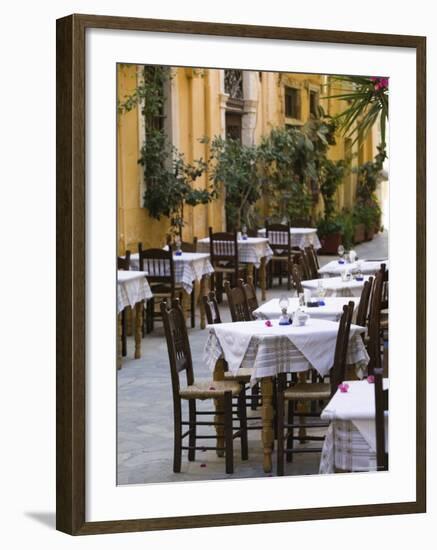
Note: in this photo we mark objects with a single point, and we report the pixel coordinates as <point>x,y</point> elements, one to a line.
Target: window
<point>314,104</point>
<point>292,103</point>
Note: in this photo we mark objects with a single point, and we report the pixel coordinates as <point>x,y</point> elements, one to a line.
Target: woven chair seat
<point>316,391</point>
<point>243,374</point>
<point>209,389</point>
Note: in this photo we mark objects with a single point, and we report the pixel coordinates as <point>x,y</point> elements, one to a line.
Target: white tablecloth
<point>275,349</point>
<point>300,237</point>
<point>367,267</point>
<point>250,250</point>
<point>350,443</point>
<point>189,267</point>
<point>334,286</point>
<point>132,287</point>
<point>331,311</point>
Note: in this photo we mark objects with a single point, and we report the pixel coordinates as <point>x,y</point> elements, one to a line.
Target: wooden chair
<point>250,295</point>
<point>244,374</point>
<point>211,308</point>
<point>161,277</point>
<point>297,278</point>
<point>313,261</point>
<point>279,237</point>
<point>305,267</point>
<point>124,265</point>
<point>179,354</point>
<point>373,340</point>
<point>224,257</point>
<point>237,303</point>
<point>301,391</point>
<point>363,306</point>
<point>381,405</point>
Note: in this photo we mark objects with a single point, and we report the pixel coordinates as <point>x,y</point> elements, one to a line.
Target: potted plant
<point>347,221</point>
<point>330,233</point>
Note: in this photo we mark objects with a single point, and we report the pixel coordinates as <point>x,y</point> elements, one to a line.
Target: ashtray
<point>359,278</point>
<point>321,303</point>
<point>341,261</point>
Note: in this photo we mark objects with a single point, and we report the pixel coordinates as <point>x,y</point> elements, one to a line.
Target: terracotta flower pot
<point>360,233</point>
<point>370,234</point>
<point>330,243</point>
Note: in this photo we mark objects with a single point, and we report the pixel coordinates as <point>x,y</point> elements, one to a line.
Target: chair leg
<point>243,422</point>
<point>290,440</point>
<point>229,440</point>
<point>192,436</point>
<point>123,334</point>
<point>177,444</point>
<point>280,432</point>
<point>255,397</point>
<point>193,307</point>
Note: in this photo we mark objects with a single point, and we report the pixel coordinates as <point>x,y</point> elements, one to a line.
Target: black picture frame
<point>71,248</point>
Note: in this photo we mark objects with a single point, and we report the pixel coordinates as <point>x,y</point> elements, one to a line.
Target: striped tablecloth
<point>250,250</point>
<point>367,267</point>
<point>350,443</point>
<point>334,286</point>
<point>189,267</point>
<point>331,311</point>
<point>300,237</point>
<point>132,287</point>
<point>275,349</point>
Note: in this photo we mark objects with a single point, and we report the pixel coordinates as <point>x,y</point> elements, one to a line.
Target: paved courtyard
<point>145,409</point>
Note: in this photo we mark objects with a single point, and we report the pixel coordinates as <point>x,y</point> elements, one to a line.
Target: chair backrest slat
<point>313,261</point>
<point>297,277</point>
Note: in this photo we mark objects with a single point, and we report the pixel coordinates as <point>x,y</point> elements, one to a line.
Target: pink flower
<point>371,379</point>
<point>203,465</point>
<point>343,387</point>
<point>380,83</point>
<point>268,323</point>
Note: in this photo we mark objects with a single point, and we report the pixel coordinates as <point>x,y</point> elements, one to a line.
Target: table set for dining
<point>268,348</point>
<point>295,334</point>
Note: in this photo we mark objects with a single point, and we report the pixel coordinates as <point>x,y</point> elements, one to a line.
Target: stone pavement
<point>145,410</point>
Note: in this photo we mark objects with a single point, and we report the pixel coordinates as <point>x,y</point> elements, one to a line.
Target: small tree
<point>233,166</point>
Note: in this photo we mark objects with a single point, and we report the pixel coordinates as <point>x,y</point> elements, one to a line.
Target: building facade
<point>244,105</point>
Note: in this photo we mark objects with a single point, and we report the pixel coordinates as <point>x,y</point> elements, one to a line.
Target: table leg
<point>219,374</point>
<point>139,306</point>
<point>267,422</point>
<point>250,270</point>
<point>119,339</point>
<point>262,278</point>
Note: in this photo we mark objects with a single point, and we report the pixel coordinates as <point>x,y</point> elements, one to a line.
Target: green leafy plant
<point>347,221</point>
<point>328,226</point>
<point>168,176</point>
<point>291,160</point>
<point>367,209</point>
<point>233,167</point>
<point>367,98</point>
<point>333,173</point>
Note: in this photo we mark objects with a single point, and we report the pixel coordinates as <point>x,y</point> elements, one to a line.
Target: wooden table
<point>270,350</point>
<point>254,251</point>
<point>190,267</point>
<point>132,291</point>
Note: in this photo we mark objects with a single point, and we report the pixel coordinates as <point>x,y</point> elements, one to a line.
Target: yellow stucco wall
<point>196,98</point>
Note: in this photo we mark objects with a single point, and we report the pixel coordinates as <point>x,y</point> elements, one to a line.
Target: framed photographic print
<point>230,202</point>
